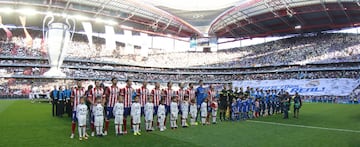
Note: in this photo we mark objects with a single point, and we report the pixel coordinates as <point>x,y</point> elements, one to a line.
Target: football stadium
<point>180,73</point>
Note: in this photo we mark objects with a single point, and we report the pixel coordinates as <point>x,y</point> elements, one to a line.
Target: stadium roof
<point>225,18</point>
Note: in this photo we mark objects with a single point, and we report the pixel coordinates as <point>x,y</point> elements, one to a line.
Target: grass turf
<point>26,124</point>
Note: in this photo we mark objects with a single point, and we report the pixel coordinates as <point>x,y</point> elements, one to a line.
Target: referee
<point>223,98</point>
<point>231,95</point>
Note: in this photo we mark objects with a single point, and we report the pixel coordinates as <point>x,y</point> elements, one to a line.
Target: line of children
<point>98,112</point>
<point>149,115</point>
<point>184,112</point>
<point>118,111</point>
<point>204,111</point>
<point>174,111</point>
<point>136,116</point>
<point>81,113</point>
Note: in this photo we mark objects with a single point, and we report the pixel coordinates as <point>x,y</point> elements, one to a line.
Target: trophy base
<point>54,72</point>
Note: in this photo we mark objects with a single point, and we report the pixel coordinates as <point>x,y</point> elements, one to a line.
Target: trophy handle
<point>49,22</point>
<point>72,27</point>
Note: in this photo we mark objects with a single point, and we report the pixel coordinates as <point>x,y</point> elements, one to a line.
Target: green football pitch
<point>25,124</point>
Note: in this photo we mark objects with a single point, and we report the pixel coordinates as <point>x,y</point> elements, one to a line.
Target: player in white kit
<point>98,111</point>
<point>118,111</point>
<point>184,112</point>
<point>136,116</point>
<point>193,112</point>
<point>161,113</point>
<point>149,115</point>
<point>174,111</point>
<point>81,113</point>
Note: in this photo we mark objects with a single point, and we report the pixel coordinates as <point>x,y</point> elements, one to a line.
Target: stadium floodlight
<point>7,10</point>
<point>81,17</point>
<point>27,11</point>
<point>99,20</point>
<point>297,27</point>
<point>111,22</point>
<point>49,13</point>
<point>126,27</point>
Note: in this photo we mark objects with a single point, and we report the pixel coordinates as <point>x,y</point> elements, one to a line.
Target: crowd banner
<point>315,87</point>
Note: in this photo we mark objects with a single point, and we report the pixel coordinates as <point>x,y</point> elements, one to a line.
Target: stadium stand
<point>301,57</point>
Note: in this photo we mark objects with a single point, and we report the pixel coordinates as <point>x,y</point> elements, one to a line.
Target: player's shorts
<point>155,110</point>
<point>179,108</point>
<point>99,121</point>
<point>209,109</point>
<point>127,111</point>
<point>184,115</point>
<point>193,115</point>
<point>119,119</point>
<point>167,109</point>
<point>213,113</point>
<point>73,117</point>
<point>203,114</point>
<point>92,117</point>
<point>173,116</point>
<point>161,118</point>
<point>149,117</point>
<point>222,106</point>
<point>257,109</point>
<point>82,120</point>
<point>109,113</point>
<point>136,119</point>
<point>142,111</point>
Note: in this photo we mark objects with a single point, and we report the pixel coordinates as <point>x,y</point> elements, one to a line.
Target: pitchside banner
<point>317,87</point>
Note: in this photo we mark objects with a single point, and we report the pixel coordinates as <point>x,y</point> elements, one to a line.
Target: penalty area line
<point>303,126</point>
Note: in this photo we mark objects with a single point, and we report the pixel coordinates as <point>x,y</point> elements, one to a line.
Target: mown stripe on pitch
<point>303,126</point>
<point>4,104</point>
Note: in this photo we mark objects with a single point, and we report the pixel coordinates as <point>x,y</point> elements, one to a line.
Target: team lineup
<point>182,106</point>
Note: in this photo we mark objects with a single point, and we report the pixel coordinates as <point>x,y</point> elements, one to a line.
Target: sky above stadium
<point>199,13</point>
<point>195,5</point>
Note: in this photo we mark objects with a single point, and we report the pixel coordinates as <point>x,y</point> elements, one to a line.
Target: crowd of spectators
<point>316,48</point>
<point>332,49</point>
<point>100,74</point>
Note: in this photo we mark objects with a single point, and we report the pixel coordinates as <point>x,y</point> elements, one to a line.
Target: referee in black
<point>223,99</point>
<point>231,95</point>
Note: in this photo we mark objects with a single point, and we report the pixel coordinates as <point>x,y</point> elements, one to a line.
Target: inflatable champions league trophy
<point>56,41</point>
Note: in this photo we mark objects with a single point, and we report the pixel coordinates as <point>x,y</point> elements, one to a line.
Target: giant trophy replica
<point>56,39</point>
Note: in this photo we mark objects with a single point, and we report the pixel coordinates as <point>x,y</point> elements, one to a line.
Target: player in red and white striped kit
<point>168,94</point>
<point>143,93</point>
<point>76,94</point>
<point>97,91</point>
<point>112,93</point>
<point>181,95</point>
<point>190,92</point>
<point>156,95</point>
<point>127,93</point>
<point>211,99</point>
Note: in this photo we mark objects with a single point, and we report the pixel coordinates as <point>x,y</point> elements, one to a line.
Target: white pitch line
<point>303,126</point>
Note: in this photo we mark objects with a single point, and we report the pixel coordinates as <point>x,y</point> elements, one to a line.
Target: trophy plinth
<point>54,72</point>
